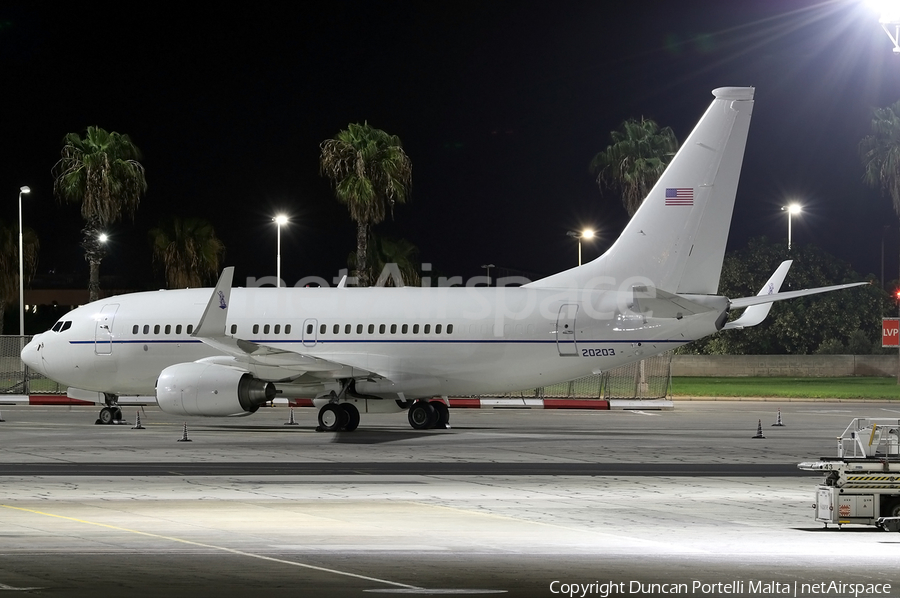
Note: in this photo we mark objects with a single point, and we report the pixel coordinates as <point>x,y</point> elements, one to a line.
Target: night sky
<point>500,106</point>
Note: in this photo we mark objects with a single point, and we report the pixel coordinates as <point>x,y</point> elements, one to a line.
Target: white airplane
<point>227,351</point>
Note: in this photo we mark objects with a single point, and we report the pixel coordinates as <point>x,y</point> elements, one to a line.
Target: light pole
<point>280,220</point>
<point>488,268</point>
<point>585,234</point>
<point>791,209</point>
<point>23,189</point>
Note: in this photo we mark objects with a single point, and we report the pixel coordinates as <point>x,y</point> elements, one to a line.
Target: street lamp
<point>280,220</point>
<point>488,268</point>
<point>23,189</point>
<point>791,209</point>
<point>585,234</point>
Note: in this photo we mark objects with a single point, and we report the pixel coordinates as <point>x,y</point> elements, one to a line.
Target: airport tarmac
<point>506,502</point>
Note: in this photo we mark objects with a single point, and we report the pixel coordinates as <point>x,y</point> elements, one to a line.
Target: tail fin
<point>676,239</point>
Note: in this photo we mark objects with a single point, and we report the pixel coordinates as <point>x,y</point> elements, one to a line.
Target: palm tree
<point>880,153</point>
<point>399,252</point>
<point>101,172</point>
<point>637,157</point>
<point>370,172</point>
<point>189,251</point>
<point>9,263</point>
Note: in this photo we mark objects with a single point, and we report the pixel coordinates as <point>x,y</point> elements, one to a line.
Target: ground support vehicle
<point>861,484</point>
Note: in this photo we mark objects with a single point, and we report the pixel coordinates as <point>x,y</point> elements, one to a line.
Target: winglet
<point>755,314</point>
<point>212,324</point>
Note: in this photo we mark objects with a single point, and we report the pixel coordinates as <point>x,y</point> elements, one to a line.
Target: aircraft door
<point>103,330</point>
<point>309,332</point>
<point>566,339</point>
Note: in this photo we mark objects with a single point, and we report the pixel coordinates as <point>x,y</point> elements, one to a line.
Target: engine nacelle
<point>210,390</point>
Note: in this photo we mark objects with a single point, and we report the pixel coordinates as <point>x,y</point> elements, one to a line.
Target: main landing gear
<point>334,415</point>
<point>425,415</point>
<point>112,413</point>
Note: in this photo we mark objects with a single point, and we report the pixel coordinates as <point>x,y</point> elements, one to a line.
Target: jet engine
<point>210,390</point>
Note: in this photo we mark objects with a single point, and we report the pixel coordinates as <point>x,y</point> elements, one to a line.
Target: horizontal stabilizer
<point>760,299</point>
<point>755,314</point>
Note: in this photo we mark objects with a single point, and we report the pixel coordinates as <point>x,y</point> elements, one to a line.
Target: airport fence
<point>16,378</point>
<point>647,379</point>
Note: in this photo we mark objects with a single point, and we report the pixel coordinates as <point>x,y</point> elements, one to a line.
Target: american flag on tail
<point>680,196</point>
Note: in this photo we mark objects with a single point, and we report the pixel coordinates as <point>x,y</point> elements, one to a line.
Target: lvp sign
<point>890,332</point>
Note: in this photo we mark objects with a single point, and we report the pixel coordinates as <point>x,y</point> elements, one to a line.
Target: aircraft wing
<point>267,362</point>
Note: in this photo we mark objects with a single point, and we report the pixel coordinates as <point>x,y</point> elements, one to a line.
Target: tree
<point>370,173</point>
<point>880,153</point>
<point>101,172</point>
<point>188,250</point>
<point>9,263</point>
<point>817,323</point>
<point>637,157</point>
<point>400,254</point>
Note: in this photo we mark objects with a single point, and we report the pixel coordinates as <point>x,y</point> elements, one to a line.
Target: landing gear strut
<point>112,413</point>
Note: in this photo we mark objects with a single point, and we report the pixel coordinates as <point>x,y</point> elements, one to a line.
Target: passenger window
<point>322,329</point>
<point>168,329</point>
<point>427,328</point>
<point>277,328</point>
<point>190,328</point>
<point>146,329</point>
<point>347,329</point>
<point>437,329</point>
<point>266,329</point>
<point>234,329</point>
<point>287,328</point>
<point>156,329</point>
<point>178,329</point>
<point>134,329</point>
<point>337,328</point>
<point>371,328</point>
<point>415,329</point>
<point>405,328</point>
<point>309,329</point>
<point>449,328</point>
<point>381,329</point>
<point>393,329</point>
<point>256,329</point>
<point>359,329</point>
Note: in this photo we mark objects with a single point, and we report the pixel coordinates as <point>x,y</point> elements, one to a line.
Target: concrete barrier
<point>789,366</point>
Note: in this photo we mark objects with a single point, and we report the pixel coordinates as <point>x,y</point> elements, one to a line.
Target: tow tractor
<point>862,484</point>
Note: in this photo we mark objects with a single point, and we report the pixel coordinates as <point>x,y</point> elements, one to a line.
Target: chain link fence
<point>647,379</point>
<point>18,379</point>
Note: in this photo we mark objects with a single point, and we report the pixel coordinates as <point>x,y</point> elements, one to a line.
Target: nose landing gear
<point>112,413</point>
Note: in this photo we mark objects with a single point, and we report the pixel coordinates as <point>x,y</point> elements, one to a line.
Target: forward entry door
<point>103,330</point>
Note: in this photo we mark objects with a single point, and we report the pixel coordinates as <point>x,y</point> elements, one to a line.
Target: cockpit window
<point>66,325</point>
<point>57,326</point>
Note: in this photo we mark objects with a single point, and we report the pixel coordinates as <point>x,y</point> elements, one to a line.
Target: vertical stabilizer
<point>676,239</point>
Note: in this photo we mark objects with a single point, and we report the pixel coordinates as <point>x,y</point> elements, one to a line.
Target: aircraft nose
<point>31,354</point>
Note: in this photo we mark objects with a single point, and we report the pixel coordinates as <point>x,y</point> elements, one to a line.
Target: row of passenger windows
<point>310,328</point>
<point>167,329</point>
<point>348,329</point>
